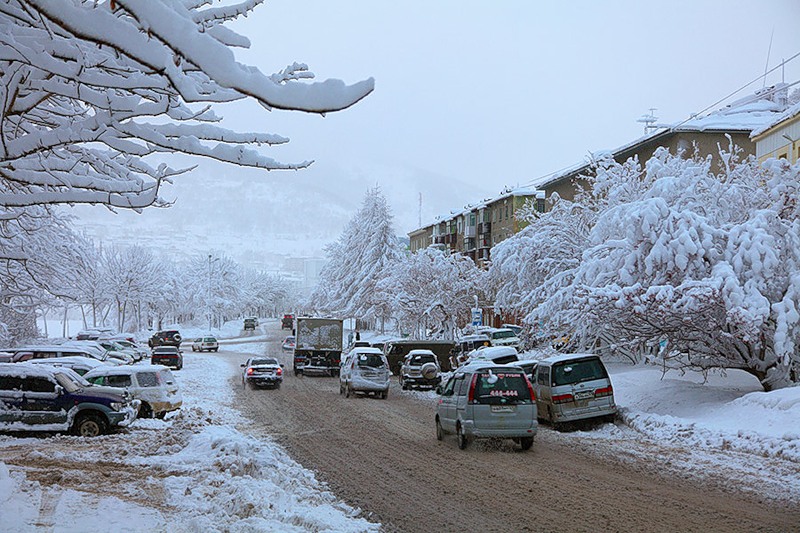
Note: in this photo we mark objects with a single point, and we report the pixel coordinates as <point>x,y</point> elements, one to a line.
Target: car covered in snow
<point>262,371</point>
<point>78,364</point>
<point>364,370</point>
<point>46,398</point>
<point>288,343</point>
<point>420,369</point>
<point>154,386</point>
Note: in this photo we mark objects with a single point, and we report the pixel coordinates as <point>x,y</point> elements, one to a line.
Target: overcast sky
<point>497,93</point>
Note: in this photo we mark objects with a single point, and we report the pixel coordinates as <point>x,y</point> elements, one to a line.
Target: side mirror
<point>59,390</point>
<point>282,365</point>
<point>243,365</point>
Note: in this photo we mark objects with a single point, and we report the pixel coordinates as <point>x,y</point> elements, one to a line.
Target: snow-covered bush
<point>704,266</point>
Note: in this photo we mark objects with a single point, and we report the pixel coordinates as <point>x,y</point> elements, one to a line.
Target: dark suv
<point>44,398</point>
<point>165,338</point>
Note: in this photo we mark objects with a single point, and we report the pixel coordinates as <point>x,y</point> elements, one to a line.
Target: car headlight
<point>117,406</point>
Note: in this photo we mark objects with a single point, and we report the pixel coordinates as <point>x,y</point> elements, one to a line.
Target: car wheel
<point>341,388</point>
<point>145,411</point>
<point>463,441</point>
<point>348,391</point>
<point>216,349</point>
<point>89,425</point>
<point>439,430</point>
<point>385,394</point>
<point>525,443</point>
<point>161,415</point>
<point>194,349</point>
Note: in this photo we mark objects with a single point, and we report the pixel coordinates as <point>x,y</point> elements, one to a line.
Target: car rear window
<point>502,387</point>
<point>570,372</point>
<point>371,360</point>
<point>264,362</point>
<point>209,339</point>
<point>422,359</point>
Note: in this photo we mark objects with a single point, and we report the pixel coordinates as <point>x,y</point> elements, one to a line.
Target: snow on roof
<point>749,114</point>
<point>791,112</point>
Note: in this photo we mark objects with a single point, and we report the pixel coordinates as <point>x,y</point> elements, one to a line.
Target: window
<point>540,205</point>
<point>462,386</point>
<point>38,385</point>
<point>502,387</point>
<point>10,383</point>
<point>147,379</point>
<point>118,381</point>
<point>506,212</point>
<point>543,375</point>
<point>577,371</point>
<point>448,389</point>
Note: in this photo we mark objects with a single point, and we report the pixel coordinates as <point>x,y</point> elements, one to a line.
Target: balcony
<point>469,231</point>
<point>484,227</point>
<point>469,244</point>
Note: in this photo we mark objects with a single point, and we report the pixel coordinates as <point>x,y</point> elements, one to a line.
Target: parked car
<point>288,343</point>
<point>572,387</point>
<point>396,351</point>
<point>503,337</point>
<point>250,323</point>
<point>465,345</point>
<point>262,372</point>
<point>169,337</point>
<point>46,398</point>
<point>499,355</point>
<point>420,369</point>
<point>517,329</point>
<point>114,346</point>
<point>78,364</point>
<point>484,400</point>
<point>205,343</point>
<point>168,356</point>
<point>154,386</point>
<point>99,352</point>
<point>364,370</point>
<point>287,322</point>
<point>95,333</point>
<point>29,353</point>
<point>140,351</point>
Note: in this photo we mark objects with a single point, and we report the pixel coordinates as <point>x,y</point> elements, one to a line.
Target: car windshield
<point>371,360</point>
<point>256,362</point>
<point>570,372</point>
<point>503,334</point>
<point>502,387</point>
<point>421,359</point>
<point>70,381</point>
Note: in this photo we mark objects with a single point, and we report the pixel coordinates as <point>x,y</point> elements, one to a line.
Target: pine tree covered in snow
<point>364,254</point>
<point>703,265</point>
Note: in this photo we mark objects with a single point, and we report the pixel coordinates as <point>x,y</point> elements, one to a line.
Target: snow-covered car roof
<point>566,357</point>
<point>71,360</point>
<point>419,352</point>
<point>477,337</point>
<point>374,351</point>
<point>490,352</point>
<point>125,370</point>
<point>27,369</point>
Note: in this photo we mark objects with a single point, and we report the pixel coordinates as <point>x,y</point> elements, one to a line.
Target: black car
<point>44,398</point>
<point>167,356</point>
<point>170,337</point>
<point>262,372</point>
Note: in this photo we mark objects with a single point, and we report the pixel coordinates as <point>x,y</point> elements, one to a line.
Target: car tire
<point>161,415</point>
<point>348,391</point>
<point>439,430</point>
<point>145,411</point>
<point>216,349</point>
<point>341,389</point>
<point>525,443</point>
<point>384,394</point>
<point>177,338</point>
<point>194,349</point>
<point>463,441</point>
<point>89,425</point>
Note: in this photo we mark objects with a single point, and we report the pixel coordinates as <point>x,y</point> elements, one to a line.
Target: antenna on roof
<point>420,210</point>
<point>649,121</point>
<point>771,35</point>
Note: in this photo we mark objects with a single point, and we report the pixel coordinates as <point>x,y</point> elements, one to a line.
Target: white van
<point>499,355</point>
<point>364,370</point>
<point>154,385</point>
<point>572,387</point>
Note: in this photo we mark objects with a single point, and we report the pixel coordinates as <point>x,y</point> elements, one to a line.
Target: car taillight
<point>530,389</point>
<point>471,396</point>
<point>605,391</point>
<point>563,398</point>
<point>249,371</point>
<point>279,371</point>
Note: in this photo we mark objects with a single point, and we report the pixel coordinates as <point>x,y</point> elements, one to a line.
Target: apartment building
<point>780,138</point>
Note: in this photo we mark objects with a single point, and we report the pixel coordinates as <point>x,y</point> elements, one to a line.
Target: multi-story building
<point>706,134</point>
<point>473,231</point>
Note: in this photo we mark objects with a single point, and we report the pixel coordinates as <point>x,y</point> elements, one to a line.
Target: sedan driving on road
<point>288,343</point>
<point>262,372</point>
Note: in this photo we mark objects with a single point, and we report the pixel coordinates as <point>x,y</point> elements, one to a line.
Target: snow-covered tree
<point>364,254</point>
<point>702,265</point>
<point>133,276</point>
<point>92,89</point>
<point>432,292</point>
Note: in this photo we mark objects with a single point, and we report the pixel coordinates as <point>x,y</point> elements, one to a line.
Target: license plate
<point>502,408</point>
<point>583,395</point>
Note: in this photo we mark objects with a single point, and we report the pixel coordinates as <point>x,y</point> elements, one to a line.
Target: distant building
<point>707,133</point>
<point>780,138</point>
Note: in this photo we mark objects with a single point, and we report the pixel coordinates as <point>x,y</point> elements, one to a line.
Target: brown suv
<point>165,338</point>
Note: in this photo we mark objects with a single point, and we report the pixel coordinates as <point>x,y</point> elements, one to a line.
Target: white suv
<point>155,386</point>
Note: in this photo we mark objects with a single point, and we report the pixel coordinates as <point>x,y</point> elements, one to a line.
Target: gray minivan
<point>572,387</point>
<point>484,400</point>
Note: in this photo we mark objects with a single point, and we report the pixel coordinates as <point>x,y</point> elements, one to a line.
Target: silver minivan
<point>572,387</point>
<point>484,400</point>
<point>364,370</point>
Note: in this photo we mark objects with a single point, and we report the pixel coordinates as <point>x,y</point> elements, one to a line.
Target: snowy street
<point>215,465</point>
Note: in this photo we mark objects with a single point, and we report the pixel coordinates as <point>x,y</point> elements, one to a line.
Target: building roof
<point>745,115</point>
<point>790,113</point>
